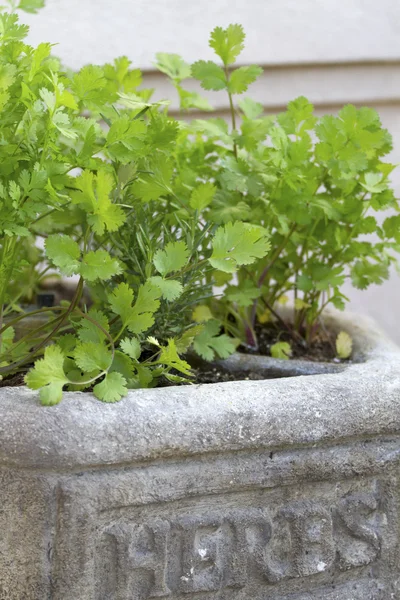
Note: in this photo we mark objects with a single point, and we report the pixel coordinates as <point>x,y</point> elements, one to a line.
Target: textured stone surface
<point>285,489</point>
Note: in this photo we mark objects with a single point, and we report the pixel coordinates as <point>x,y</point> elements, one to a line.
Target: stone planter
<point>277,489</point>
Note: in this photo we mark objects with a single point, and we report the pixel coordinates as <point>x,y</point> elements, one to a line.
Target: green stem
<point>232,110</point>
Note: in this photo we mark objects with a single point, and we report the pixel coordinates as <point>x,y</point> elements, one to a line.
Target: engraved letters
<point>192,553</point>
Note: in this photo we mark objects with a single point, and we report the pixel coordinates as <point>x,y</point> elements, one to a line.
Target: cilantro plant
<point>187,234</point>
<point>313,183</point>
<point>75,181</point>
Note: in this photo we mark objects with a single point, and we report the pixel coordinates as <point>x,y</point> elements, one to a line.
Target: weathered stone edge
<point>82,432</point>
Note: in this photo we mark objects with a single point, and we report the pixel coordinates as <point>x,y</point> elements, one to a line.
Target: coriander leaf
<point>150,186</point>
<point>112,388</point>
<point>184,342</point>
<point>131,347</point>
<point>210,75</point>
<point>193,100</point>
<point>173,258</point>
<point>170,289</point>
<point>202,313</point>
<point>169,356</point>
<point>202,196</point>
<point>98,264</point>
<point>281,350</point>
<point>48,376</point>
<point>391,227</point>
<point>237,244</point>
<point>51,394</point>
<point>344,345</point>
<point>209,343</point>
<point>90,86</point>
<point>242,77</point>
<point>137,318</point>
<point>67,343</point>
<point>304,283</point>
<point>365,273</point>
<point>244,294</point>
<point>250,108</point>
<point>93,195</point>
<point>31,6</point>
<point>64,252</point>
<point>227,43</point>
<point>90,356</point>
<point>374,183</point>
<point>147,303</point>
<point>89,332</point>
<point>121,300</point>
<point>123,364</point>
<point>172,65</point>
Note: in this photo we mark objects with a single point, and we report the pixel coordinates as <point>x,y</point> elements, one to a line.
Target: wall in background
<point>331,51</point>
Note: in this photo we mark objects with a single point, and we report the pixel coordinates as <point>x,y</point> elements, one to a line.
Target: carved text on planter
<point>210,551</point>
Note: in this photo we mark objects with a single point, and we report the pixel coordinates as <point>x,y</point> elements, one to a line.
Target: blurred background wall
<point>332,51</point>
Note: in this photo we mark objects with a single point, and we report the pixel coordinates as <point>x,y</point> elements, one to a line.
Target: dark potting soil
<point>322,349</point>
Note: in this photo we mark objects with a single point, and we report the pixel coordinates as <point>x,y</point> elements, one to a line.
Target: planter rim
<point>82,433</point>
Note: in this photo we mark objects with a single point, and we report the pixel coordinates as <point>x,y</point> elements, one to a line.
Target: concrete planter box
<point>278,489</point>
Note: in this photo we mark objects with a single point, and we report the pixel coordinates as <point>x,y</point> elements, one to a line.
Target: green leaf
<point>173,65</point>
<point>90,357</point>
<point>344,345</point>
<point>327,277</point>
<point>98,265</point>
<point>228,43</point>
<point>31,6</point>
<point>202,313</point>
<point>90,86</point>
<point>112,388</point>
<point>170,289</point>
<point>209,342</point>
<point>202,196</point>
<point>48,376</point>
<point>192,100</point>
<point>93,195</point>
<point>250,108</point>
<point>123,364</point>
<point>242,77</point>
<point>169,356</point>
<point>391,227</point>
<point>237,244</point>
<point>243,295</point>
<point>120,301</point>
<point>147,303</point>
<point>150,186</point>
<point>89,331</point>
<point>64,253</point>
<point>184,342</point>
<point>173,258</point>
<point>131,347</point>
<point>374,183</point>
<point>281,350</point>
<point>210,75</point>
<point>364,273</point>
<point>51,394</point>
<point>137,318</point>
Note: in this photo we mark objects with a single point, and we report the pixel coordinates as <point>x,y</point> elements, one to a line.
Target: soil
<point>322,349</point>
<point>15,380</point>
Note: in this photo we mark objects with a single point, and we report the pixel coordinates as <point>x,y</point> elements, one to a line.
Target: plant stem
<point>232,109</point>
<point>266,270</point>
<point>69,310</point>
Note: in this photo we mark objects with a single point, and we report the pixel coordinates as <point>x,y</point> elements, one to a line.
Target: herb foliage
<point>186,232</point>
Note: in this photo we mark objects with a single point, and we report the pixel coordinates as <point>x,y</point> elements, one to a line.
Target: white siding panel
<point>279,31</point>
